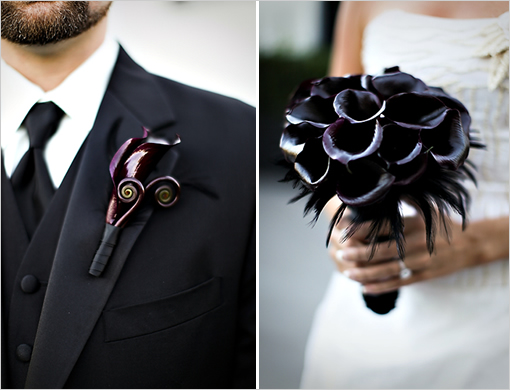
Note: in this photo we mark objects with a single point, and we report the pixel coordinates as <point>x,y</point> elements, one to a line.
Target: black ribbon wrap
<point>381,303</point>
<point>378,303</point>
<point>105,250</point>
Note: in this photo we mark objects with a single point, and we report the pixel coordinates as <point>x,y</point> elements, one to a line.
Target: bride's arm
<point>346,53</point>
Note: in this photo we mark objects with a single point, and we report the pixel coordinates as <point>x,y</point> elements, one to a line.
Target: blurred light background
<point>206,44</point>
<point>294,267</point>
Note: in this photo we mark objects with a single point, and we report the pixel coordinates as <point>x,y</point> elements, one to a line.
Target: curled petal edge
<point>343,156</point>
<point>381,188</point>
<point>384,184</point>
<point>303,173</point>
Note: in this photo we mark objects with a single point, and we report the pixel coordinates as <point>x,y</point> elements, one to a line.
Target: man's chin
<point>40,23</point>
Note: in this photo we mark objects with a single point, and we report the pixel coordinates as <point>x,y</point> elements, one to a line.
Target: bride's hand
<point>482,241</point>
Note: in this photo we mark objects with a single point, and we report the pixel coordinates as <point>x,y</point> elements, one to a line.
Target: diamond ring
<point>405,272</point>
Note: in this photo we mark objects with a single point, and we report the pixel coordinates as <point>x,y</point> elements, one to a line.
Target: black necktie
<point>31,180</point>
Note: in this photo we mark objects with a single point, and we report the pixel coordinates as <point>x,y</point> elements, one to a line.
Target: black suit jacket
<point>175,307</point>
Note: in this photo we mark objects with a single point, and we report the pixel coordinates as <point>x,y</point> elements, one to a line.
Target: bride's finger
<point>392,284</point>
<point>377,271</point>
<point>341,263</point>
<point>383,253</point>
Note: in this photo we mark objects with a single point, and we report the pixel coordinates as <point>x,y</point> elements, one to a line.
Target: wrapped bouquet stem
<point>375,141</point>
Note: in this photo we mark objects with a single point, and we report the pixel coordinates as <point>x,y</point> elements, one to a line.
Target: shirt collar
<point>79,95</point>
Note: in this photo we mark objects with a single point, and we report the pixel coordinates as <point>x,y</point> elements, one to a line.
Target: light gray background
<point>294,269</point>
<point>294,266</point>
<point>207,44</point>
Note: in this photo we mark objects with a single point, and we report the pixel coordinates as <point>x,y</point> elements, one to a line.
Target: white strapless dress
<point>451,332</point>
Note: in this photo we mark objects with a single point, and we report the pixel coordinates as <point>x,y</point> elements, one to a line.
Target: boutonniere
<point>374,141</point>
<point>129,168</point>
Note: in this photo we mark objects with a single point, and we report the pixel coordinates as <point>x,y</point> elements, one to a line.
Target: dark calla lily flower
<point>410,171</point>
<point>314,110</point>
<point>363,183</point>
<point>344,141</point>
<point>302,92</point>
<point>448,142</point>
<point>358,106</point>
<point>332,86</point>
<point>415,111</point>
<point>399,145</point>
<point>452,103</point>
<point>294,137</point>
<point>312,164</point>
<point>390,84</point>
<point>129,168</point>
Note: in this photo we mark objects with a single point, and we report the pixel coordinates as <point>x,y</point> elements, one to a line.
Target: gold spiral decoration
<point>167,190</point>
<point>164,195</point>
<point>131,192</point>
<point>128,193</point>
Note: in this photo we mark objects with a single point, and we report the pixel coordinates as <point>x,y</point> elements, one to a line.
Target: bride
<point>450,325</point>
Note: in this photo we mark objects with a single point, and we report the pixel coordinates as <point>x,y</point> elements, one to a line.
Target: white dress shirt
<point>79,96</point>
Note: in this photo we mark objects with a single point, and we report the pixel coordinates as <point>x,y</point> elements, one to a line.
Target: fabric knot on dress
<point>495,46</point>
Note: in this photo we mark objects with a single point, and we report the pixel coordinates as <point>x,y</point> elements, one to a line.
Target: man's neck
<point>47,66</point>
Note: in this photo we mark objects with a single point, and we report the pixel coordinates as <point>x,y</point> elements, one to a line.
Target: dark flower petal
<point>409,172</point>
<point>143,160</point>
<point>391,84</point>
<point>366,183</point>
<point>302,92</point>
<point>329,86</point>
<point>451,102</point>
<point>357,106</point>
<point>315,110</point>
<point>294,137</point>
<point>399,145</point>
<point>415,111</point>
<point>448,142</point>
<point>392,69</point>
<point>124,152</point>
<point>344,141</point>
<point>312,164</point>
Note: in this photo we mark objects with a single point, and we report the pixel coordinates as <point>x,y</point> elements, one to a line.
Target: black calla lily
<point>312,164</point>
<point>398,144</point>
<point>357,106</point>
<point>415,111</point>
<point>344,141</point>
<point>363,183</point>
<point>294,138</point>
<point>314,110</point>
<point>390,84</point>
<point>447,142</point>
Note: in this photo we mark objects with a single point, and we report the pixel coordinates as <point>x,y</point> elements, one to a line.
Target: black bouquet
<point>375,141</point>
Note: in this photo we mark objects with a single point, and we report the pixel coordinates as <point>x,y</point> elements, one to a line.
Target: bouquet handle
<point>381,303</point>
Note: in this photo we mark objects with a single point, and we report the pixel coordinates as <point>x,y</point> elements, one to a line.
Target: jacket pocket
<point>142,319</point>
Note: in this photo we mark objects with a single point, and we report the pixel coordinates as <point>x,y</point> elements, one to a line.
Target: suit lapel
<point>74,299</point>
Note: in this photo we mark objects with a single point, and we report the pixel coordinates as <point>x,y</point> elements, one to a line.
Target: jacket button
<point>30,284</point>
<point>24,352</point>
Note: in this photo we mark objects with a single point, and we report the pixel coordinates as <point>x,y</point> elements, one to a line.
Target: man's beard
<point>33,23</point>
